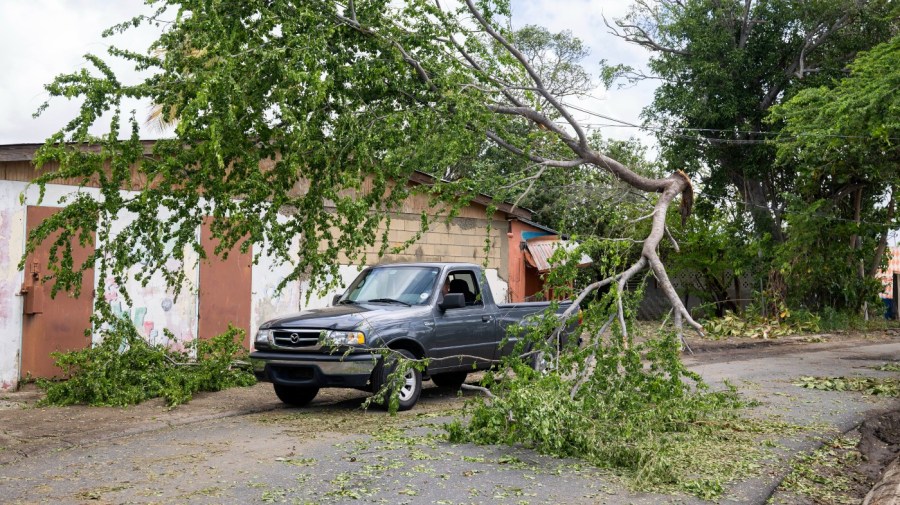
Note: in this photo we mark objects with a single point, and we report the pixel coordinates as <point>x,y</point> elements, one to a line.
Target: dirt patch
<point>879,443</point>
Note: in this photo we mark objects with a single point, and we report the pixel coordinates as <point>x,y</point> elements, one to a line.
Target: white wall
<point>153,307</point>
<point>12,231</point>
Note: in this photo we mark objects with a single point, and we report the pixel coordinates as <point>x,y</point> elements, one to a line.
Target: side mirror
<point>335,299</point>
<point>453,301</point>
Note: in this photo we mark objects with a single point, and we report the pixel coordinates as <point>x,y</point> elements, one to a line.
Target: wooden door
<point>58,324</point>
<point>225,289</point>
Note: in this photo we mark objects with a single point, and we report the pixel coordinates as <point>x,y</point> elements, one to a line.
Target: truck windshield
<point>406,285</point>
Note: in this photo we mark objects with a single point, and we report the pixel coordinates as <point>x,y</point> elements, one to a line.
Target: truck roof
<point>441,264</point>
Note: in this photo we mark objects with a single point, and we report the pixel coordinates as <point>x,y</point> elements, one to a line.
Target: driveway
<point>243,446</point>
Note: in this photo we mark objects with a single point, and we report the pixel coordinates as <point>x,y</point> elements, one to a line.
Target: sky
<point>69,29</point>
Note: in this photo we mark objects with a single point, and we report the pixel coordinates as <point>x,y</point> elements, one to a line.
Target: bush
<point>123,369</point>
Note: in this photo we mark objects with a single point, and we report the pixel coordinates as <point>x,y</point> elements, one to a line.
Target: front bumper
<point>319,370</point>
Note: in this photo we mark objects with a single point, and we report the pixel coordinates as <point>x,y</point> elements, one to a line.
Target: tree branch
<point>533,157</point>
<point>642,38</point>
<point>486,391</point>
<point>582,138</point>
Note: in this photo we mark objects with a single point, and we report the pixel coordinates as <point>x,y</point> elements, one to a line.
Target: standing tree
<point>723,65</point>
<point>283,109</point>
<point>844,140</point>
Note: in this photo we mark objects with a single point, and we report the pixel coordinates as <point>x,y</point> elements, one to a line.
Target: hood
<point>344,317</point>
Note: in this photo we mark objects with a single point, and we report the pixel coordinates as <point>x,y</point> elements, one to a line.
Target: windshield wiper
<point>388,300</point>
<point>347,301</point>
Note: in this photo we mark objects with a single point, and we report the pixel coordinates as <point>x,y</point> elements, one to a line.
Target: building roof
<point>25,152</point>
<point>539,250</point>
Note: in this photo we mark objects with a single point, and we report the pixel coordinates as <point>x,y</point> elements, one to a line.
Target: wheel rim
<point>408,389</point>
<point>543,364</point>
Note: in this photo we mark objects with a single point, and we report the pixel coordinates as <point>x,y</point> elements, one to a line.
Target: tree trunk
<point>882,241</point>
<point>754,195</point>
<point>857,216</point>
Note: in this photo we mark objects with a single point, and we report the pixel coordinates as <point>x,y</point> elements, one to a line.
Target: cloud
<point>584,18</point>
<point>44,38</point>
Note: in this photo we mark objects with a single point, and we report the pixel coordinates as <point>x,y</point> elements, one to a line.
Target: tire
<point>409,392</point>
<point>296,396</point>
<point>449,380</point>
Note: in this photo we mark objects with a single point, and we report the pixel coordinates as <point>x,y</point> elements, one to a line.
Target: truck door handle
<point>486,319</point>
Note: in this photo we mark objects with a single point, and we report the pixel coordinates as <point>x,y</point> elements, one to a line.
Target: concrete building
<point>32,325</point>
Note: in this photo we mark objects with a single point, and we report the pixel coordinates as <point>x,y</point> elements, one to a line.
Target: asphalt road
<point>243,447</point>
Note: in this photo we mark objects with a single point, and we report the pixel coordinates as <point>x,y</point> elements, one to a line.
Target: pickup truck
<point>441,313</point>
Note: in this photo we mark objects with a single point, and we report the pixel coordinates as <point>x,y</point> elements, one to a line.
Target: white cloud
<point>44,38</point>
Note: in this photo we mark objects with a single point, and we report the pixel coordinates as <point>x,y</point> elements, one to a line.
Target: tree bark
<point>882,241</point>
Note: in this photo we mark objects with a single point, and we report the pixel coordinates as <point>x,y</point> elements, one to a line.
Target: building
<point>890,277</point>
<point>219,292</point>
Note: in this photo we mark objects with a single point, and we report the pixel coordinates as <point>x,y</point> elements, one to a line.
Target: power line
<point>619,123</point>
<point>781,212</point>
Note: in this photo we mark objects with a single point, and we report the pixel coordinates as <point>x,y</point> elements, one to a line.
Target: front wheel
<point>296,396</point>
<point>407,389</point>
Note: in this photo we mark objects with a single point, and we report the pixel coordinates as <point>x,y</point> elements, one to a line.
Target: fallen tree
<point>290,120</point>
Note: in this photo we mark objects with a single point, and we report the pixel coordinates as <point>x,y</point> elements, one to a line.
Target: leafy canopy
<point>291,124</point>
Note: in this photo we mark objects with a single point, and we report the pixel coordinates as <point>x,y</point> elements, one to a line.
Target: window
<point>411,285</point>
<point>465,282</point>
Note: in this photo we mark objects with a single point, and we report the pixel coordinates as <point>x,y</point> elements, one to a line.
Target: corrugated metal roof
<point>540,250</point>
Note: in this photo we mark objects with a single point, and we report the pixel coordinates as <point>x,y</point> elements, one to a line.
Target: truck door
<point>465,334</point>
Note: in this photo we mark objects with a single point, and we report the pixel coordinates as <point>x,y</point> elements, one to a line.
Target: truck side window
<point>465,282</point>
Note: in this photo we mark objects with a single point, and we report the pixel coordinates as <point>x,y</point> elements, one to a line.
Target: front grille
<point>296,339</point>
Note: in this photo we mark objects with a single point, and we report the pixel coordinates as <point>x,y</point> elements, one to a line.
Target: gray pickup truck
<point>442,313</point>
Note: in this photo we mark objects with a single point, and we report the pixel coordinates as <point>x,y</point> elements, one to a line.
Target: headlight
<point>344,337</point>
<point>263,336</point>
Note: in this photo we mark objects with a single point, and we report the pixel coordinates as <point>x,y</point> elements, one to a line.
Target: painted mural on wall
<point>159,313</point>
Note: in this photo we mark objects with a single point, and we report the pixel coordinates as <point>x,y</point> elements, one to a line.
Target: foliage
<point>616,403</point>
<point>876,386</point>
<point>300,159</point>
<point>843,141</point>
<point>124,369</point>
<point>825,476</point>
<point>724,66</point>
<point>718,252</point>
<point>835,320</point>
<point>632,420</point>
<point>889,367</point>
<point>753,325</point>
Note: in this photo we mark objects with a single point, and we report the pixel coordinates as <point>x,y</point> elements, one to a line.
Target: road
<point>241,446</point>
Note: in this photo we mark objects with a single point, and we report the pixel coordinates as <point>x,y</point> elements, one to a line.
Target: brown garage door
<point>224,289</point>
<point>57,324</point>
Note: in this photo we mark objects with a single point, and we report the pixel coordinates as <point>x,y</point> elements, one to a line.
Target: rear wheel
<point>409,387</point>
<point>449,379</point>
<point>297,396</point>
